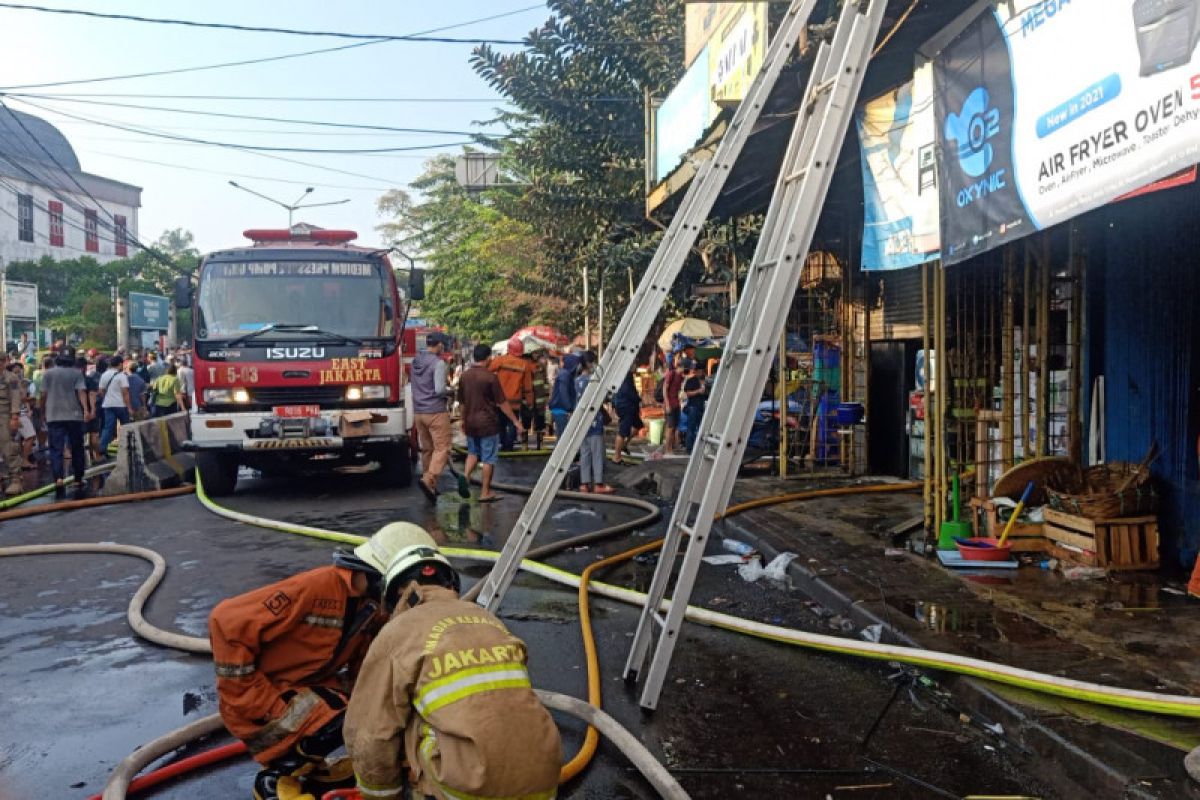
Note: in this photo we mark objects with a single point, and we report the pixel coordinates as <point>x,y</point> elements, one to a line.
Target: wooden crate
<point>1024,538</point>
<point>1127,543</point>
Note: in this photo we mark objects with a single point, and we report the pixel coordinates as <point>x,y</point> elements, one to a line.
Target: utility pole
<point>292,207</point>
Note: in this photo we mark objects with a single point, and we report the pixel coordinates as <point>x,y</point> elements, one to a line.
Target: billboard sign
<point>148,312</point>
<point>682,119</point>
<point>701,21</point>
<point>736,52</point>
<point>897,137</point>
<point>1051,110</point>
<point>20,300</point>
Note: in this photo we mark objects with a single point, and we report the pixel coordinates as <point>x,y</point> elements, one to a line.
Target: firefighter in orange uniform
<point>516,379</point>
<point>286,658</point>
<point>443,706</point>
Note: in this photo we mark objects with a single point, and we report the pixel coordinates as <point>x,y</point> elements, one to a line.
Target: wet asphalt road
<point>738,717</point>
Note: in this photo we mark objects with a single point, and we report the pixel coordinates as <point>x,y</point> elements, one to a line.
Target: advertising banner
<point>148,312</point>
<point>682,119</point>
<point>736,52</point>
<point>897,136</point>
<point>1056,107</point>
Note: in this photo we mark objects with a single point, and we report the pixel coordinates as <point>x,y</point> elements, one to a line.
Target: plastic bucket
<point>656,429</point>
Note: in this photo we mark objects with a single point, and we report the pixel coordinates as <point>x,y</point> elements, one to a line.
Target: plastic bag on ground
<point>777,570</point>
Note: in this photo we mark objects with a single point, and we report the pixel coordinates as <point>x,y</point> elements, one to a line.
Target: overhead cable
<point>263,60</point>
<point>22,96</point>
<point>229,26</point>
<point>239,146</point>
<point>336,99</point>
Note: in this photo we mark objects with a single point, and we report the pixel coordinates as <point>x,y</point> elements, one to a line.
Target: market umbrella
<point>692,328</point>
<point>552,337</point>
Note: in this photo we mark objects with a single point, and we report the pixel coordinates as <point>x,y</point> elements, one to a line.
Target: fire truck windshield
<point>349,298</point>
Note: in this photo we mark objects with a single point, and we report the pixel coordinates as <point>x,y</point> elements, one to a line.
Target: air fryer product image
<point>1167,32</point>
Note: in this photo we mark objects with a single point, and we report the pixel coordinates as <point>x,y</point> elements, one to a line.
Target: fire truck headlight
<point>354,393</point>
<point>377,392</point>
<point>241,396</point>
<point>218,396</point>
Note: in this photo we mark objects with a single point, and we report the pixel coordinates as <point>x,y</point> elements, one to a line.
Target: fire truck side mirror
<point>416,284</point>
<point>183,292</point>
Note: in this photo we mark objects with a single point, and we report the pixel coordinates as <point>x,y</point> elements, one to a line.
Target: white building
<point>49,206</point>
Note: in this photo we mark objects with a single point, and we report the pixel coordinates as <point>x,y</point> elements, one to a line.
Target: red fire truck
<point>297,348</point>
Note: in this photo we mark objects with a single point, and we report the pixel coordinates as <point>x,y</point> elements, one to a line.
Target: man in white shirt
<point>117,405</point>
<point>187,378</point>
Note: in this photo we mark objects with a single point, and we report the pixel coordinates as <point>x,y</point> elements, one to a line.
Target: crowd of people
<point>502,399</point>
<point>66,406</point>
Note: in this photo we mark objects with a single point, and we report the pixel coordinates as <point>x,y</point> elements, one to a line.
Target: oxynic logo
<point>972,128</point>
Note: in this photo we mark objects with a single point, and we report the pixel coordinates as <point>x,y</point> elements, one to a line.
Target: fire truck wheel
<point>396,467</point>
<point>219,472</point>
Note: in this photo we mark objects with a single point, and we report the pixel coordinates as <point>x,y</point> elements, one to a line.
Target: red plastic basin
<point>977,549</point>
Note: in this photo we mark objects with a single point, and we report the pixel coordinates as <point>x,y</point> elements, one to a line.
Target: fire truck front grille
<point>324,396</point>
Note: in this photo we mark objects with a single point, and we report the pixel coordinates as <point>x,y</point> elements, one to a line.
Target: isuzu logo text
<point>295,352</point>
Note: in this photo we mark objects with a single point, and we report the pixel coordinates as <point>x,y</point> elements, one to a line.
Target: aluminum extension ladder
<point>800,190</point>
<point>646,302</point>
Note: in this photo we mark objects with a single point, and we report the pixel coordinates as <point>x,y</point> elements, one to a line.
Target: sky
<point>189,187</point>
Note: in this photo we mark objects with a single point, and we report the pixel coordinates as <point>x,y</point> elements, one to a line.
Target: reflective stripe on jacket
<point>445,689</point>
<point>273,645</point>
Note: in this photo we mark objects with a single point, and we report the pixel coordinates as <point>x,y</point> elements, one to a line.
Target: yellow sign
<point>736,52</point>
<point>350,370</point>
<point>701,22</point>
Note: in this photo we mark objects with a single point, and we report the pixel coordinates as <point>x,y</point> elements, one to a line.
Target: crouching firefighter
<point>444,690</point>
<point>286,658</point>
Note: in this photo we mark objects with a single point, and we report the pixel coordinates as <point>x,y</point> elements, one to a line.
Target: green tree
<point>576,136</point>
<point>72,292</point>
<point>484,266</point>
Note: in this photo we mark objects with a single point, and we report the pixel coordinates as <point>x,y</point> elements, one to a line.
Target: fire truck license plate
<point>293,412</point>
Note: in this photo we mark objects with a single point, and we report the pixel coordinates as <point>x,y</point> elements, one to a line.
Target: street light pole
<point>292,207</point>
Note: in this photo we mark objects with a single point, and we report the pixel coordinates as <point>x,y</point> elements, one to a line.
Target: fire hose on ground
<point>1174,705</point>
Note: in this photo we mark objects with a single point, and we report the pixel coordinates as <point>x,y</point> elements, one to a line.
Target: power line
<point>340,99</point>
<point>230,26</point>
<point>226,174</point>
<point>20,96</point>
<point>253,117</point>
<point>265,59</point>
<point>237,146</point>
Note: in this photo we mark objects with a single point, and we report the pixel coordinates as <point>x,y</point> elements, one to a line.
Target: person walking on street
<point>591,452</point>
<point>92,414</point>
<point>10,424</point>
<point>483,402</point>
<point>138,390</point>
<point>672,408</point>
<point>535,416</point>
<point>167,393</point>
<point>117,403</point>
<point>628,405</point>
<point>155,368</point>
<point>444,696</point>
<point>64,405</point>
<point>430,393</point>
<point>696,392</point>
<point>287,655</point>
<point>516,379</point>
<point>187,380</point>
<point>563,397</point>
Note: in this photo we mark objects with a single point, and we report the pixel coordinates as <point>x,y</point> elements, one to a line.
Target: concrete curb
<point>1077,771</point>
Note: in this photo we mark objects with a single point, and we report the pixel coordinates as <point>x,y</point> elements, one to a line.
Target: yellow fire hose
<point>1132,699</point>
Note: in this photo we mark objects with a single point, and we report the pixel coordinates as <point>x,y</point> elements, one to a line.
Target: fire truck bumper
<point>261,432</point>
